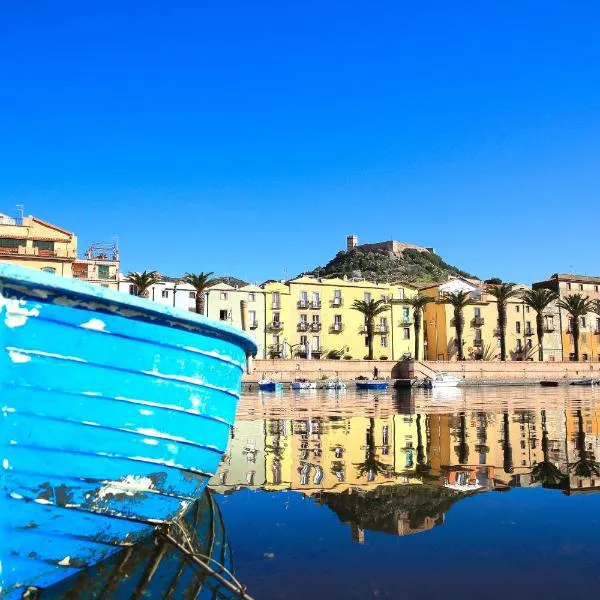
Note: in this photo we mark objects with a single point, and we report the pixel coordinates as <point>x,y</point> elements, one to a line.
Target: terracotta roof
<point>55,227</point>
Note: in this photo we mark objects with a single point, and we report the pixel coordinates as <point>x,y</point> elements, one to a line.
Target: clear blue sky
<point>249,138</point>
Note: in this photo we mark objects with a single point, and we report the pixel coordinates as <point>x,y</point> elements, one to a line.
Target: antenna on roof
<point>21,209</point>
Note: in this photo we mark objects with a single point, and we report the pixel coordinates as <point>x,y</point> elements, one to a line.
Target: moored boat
<point>303,384</point>
<point>115,413</point>
<point>335,383</point>
<point>267,385</point>
<point>440,380</point>
<point>371,384</point>
<point>549,383</point>
<point>587,381</point>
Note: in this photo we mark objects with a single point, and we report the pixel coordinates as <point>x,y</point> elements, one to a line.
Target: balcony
<point>274,351</point>
<point>253,324</point>
<point>477,321</point>
<point>363,329</point>
<point>315,304</point>
<point>529,331</point>
<point>303,303</point>
<point>478,343</point>
<point>405,322</point>
<point>303,326</point>
<point>549,329</point>
<point>276,305</point>
<point>337,327</point>
<point>315,326</point>
<point>276,325</point>
<point>382,328</point>
<point>337,301</point>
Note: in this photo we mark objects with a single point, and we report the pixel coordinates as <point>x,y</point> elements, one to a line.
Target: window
<point>383,323</point>
<point>583,322</point>
<point>477,312</point>
<point>316,319</point>
<point>519,346</point>
<point>251,296</point>
<point>223,314</point>
<point>165,293</point>
<point>528,327</point>
<point>367,296</point>
<point>596,288</point>
<point>527,307</point>
<point>337,321</point>
<point>275,340</point>
<point>518,327</point>
<point>11,243</point>
<point>337,297</point>
<point>477,335</point>
<point>103,272</point>
<point>597,325</point>
<point>570,327</point>
<point>316,298</point>
<point>43,245</point>
<point>384,341</point>
<point>405,314</point>
<point>192,295</point>
<point>366,340</point>
<point>401,293</point>
<point>315,342</point>
<point>303,340</point>
<point>568,286</point>
<point>517,308</point>
<point>406,335</point>
<point>276,299</point>
<point>275,317</point>
<point>581,287</point>
<point>529,344</point>
<point>303,319</point>
<point>133,289</point>
<point>49,270</point>
<point>223,295</point>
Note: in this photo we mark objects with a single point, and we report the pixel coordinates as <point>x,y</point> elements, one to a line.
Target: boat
<point>588,381</point>
<point>371,384</point>
<point>334,384</point>
<point>303,384</point>
<point>549,383</point>
<point>267,385</point>
<point>115,413</point>
<point>441,380</point>
<point>162,565</point>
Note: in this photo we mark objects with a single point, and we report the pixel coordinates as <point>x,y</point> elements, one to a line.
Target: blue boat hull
<point>115,414</point>
<point>270,387</point>
<point>371,385</point>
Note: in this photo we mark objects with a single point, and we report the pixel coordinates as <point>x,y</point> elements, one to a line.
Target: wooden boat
<point>267,385</point>
<point>335,383</point>
<point>549,383</point>
<point>157,569</point>
<point>371,384</point>
<point>588,381</point>
<point>303,384</point>
<point>115,413</point>
<point>441,380</point>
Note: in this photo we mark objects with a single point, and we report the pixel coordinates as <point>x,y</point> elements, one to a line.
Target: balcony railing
<point>529,332</point>
<point>478,343</point>
<point>337,327</point>
<point>337,301</point>
<point>477,321</point>
<point>276,325</point>
<point>315,304</point>
<point>276,305</point>
<point>405,322</point>
<point>303,303</point>
<point>362,329</point>
<point>253,324</point>
<point>382,328</point>
<point>303,326</point>
<point>549,329</point>
<point>315,326</point>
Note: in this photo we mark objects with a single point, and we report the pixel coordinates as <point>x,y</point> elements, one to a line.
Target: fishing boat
<point>549,383</point>
<point>335,383</point>
<point>163,566</point>
<point>371,384</point>
<point>303,384</point>
<point>441,380</point>
<point>267,385</point>
<point>115,413</point>
<point>587,381</point>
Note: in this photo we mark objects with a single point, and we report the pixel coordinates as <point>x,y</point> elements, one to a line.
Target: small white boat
<point>441,380</point>
<point>586,381</point>
<point>303,384</point>
<point>334,384</point>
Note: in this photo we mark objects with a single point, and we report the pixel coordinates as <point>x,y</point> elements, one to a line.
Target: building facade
<point>314,316</point>
<point>99,265</point>
<point>31,242</point>
<point>481,333</point>
<point>589,339</point>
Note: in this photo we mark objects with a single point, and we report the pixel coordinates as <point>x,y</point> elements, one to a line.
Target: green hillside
<point>412,266</point>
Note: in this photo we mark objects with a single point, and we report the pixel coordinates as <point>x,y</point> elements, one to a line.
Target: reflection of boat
<point>115,412</point>
<point>267,385</point>
<point>371,384</point>
<point>156,568</point>
<point>334,384</point>
<point>303,384</point>
<point>549,383</point>
<point>588,381</point>
<point>441,380</point>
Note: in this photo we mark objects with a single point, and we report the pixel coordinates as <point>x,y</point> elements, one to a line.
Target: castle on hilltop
<point>391,247</point>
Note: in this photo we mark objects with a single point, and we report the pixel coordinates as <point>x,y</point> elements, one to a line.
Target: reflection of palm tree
<point>371,466</point>
<point>462,450</point>
<point>586,466</point>
<point>420,450</point>
<point>546,472</point>
<point>506,447</point>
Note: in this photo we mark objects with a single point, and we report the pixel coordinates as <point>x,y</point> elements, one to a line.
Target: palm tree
<point>418,303</point>
<point>546,472</point>
<point>577,306</point>
<point>372,466</point>
<point>370,309</point>
<point>506,446</point>
<point>539,300</point>
<point>502,293</point>
<point>142,282</point>
<point>596,307</point>
<point>199,282</point>
<point>462,450</point>
<point>459,300</point>
<point>586,466</point>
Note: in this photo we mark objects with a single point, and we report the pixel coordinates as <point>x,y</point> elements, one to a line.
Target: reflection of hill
<point>398,510</point>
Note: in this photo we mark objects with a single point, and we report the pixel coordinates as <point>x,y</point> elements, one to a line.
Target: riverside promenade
<point>474,372</point>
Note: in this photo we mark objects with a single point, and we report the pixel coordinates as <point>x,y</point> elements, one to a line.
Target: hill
<point>378,264</point>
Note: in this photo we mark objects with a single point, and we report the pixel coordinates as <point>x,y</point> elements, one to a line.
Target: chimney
<point>351,242</point>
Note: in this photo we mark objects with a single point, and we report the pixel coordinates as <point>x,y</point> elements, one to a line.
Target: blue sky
<point>249,138</point>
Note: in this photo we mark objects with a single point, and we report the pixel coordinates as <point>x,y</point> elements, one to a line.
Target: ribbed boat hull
<point>114,416</point>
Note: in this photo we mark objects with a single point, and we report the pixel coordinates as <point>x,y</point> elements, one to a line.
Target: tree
<point>372,466</point>
<point>539,300</point>
<point>462,449</point>
<point>142,282</point>
<point>370,309</point>
<point>507,462</point>
<point>459,300</point>
<point>200,282</point>
<point>502,293</point>
<point>596,307</point>
<point>546,472</point>
<point>577,306</point>
<point>586,466</point>
<point>418,303</point>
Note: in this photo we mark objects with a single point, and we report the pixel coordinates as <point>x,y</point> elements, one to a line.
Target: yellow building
<point>31,242</point>
<point>481,333</point>
<point>589,337</point>
<point>100,265</point>
<point>316,314</point>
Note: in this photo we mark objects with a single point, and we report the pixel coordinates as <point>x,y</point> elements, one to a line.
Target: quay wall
<point>474,372</point>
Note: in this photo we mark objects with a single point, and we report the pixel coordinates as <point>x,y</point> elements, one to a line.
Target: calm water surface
<point>464,493</point>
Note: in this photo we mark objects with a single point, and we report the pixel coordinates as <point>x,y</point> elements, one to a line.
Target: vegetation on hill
<point>412,266</point>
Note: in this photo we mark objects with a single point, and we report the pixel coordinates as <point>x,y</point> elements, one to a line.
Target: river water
<point>462,493</point>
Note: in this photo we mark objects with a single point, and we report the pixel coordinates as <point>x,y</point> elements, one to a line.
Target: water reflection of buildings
<point>348,462</point>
